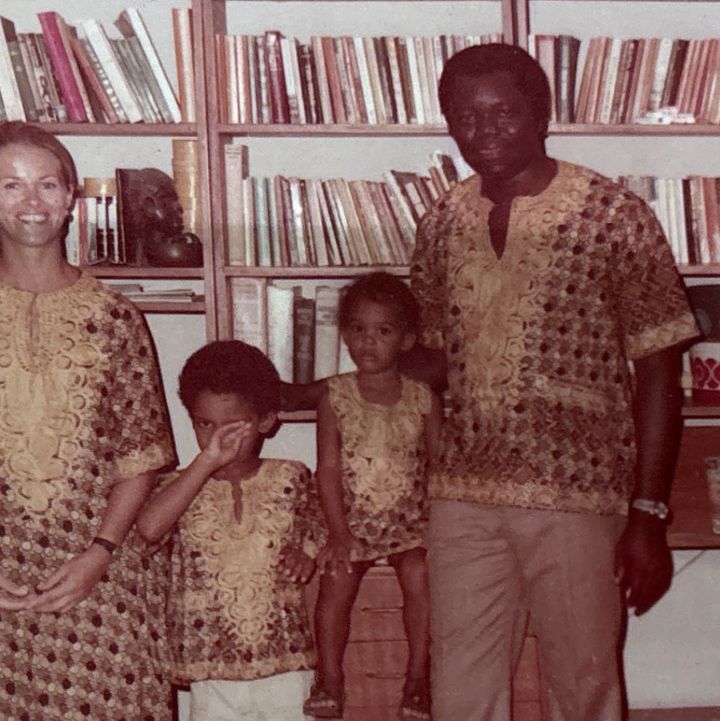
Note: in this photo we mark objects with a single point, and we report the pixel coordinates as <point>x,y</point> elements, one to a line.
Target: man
<point>542,280</point>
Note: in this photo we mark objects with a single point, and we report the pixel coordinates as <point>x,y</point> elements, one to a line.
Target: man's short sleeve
<point>651,301</point>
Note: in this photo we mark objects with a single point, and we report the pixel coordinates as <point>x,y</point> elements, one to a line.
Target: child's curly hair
<point>231,366</point>
<point>385,289</point>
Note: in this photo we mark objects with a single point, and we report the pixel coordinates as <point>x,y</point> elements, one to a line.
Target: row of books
<point>612,80</point>
<point>78,73</point>
<point>290,221</point>
<point>271,78</point>
<point>299,334</point>
<point>688,210</point>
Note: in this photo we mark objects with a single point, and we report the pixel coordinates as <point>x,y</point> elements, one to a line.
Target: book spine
<point>327,334</point>
<point>32,63</point>
<point>304,339</point>
<point>249,311</point>
<point>67,81</point>
<point>365,80</point>
<point>92,81</point>
<point>21,71</point>
<point>130,23</point>
<point>182,23</point>
<point>9,90</point>
<point>331,68</point>
<point>276,78</point>
<point>234,174</point>
<point>280,330</point>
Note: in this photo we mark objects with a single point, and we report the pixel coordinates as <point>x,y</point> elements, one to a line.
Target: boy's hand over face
<point>296,565</point>
<point>225,444</point>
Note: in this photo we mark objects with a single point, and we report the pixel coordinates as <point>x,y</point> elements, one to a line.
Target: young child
<point>376,431</point>
<point>236,614</point>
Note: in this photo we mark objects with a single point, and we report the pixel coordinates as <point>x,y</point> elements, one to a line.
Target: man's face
<point>493,125</point>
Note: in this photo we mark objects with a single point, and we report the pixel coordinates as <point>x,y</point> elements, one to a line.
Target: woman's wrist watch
<point>109,546</point>
<point>654,508</point>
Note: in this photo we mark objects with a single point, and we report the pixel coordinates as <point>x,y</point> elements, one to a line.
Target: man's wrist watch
<point>654,508</point>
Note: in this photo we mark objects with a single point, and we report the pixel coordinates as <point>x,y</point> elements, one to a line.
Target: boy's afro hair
<point>231,366</point>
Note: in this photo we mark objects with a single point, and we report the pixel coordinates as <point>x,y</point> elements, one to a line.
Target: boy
<point>237,622</point>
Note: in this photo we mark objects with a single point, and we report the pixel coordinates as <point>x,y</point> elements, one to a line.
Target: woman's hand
<point>337,553</point>
<point>225,444</point>
<point>72,582</point>
<point>12,596</point>
<point>296,565</point>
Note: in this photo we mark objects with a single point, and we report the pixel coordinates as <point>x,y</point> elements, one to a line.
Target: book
<point>96,37</point>
<point>14,104</point>
<point>277,88</point>
<point>65,69</point>
<point>236,158</point>
<point>327,333</point>
<point>280,329</point>
<point>96,86</point>
<point>249,311</point>
<point>303,339</point>
<point>182,26</point>
<point>47,85</point>
<point>131,24</point>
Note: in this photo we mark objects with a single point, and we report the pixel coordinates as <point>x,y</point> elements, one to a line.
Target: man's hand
<point>643,562</point>
<point>12,596</point>
<point>72,582</point>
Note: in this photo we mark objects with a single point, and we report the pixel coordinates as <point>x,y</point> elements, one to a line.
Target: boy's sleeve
<point>149,549</point>
<point>308,528</point>
<point>652,305</point>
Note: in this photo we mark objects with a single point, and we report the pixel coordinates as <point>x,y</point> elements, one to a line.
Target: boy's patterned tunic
<point>232,615</point>
<point>537,340</point>
<point>384,465</point>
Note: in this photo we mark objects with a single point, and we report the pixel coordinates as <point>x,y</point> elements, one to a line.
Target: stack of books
<point>78,73</point>
<point>291,222</point>
<point>271,78</point>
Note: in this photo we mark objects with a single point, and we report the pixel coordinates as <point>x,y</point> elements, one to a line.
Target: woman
<point>83,427</point>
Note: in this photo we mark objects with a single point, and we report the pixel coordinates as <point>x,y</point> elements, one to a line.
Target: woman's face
<point>34,198</point>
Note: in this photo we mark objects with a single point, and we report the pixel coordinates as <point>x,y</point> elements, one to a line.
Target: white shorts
<point>275,698</point>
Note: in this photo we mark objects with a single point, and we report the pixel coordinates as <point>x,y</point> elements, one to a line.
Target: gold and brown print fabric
<point>232,613</point>
<point>81,407</point>
<point>538,339</point>
<point>384,465</point>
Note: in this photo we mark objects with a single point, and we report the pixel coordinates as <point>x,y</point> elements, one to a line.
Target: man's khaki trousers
<point>488,567</point>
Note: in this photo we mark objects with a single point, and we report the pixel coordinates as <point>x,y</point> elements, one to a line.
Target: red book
<point>279,106</point>
<point>62,63</point>
<point>333,79</point>
<point>92,82</point>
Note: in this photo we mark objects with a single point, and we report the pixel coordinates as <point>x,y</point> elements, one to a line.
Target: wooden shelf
<point>323,131</point>
<point>121,129</point>
<point>690,502</point>
<point>340,271</point>
<point>690,129</point>
<point>695,410</point>
<point>706,269</point>
<point>131,271</point>
<point>170,307</point>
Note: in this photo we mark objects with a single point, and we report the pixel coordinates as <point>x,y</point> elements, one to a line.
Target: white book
<point>364,73</point>
<point>291,71</point>
<point>370,55</point>
<point>322,79</point>
<point>235,171</point>
<point>280,330</point>
<point>9,89</point>
<point>662,63</point>
<point>415,81</point>
<point>317,236</point>
<point>327,334</point>
<point>242,86</point>
<point>130,22</point>
<point>182,32</point>
<point>249,309</point>
<point>94,33</point>
<point>611,77</point>
<point>233,79</point>
<point>248,232</point>
<point>262,223</point>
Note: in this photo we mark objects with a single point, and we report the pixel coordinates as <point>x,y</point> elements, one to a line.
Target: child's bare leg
<point>332,623</point>
<point>412,574</point>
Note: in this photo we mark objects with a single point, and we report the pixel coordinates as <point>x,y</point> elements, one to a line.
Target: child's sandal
<point>322,704</point>
<point>415,705</point>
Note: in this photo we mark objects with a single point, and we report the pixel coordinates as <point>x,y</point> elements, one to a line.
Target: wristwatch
<point>654,508</point>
